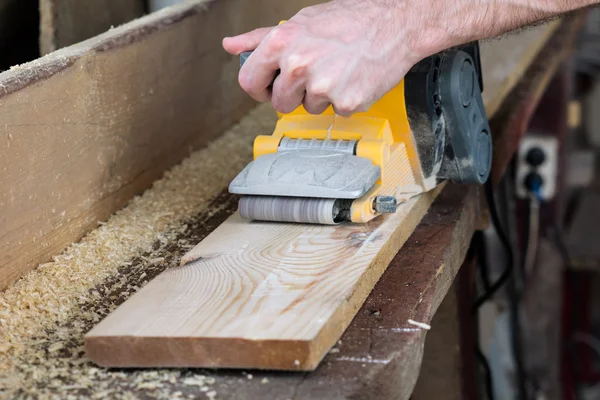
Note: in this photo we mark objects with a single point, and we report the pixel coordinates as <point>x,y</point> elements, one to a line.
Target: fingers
<point>287,94</point>
<point>289,87</point>
<point>315,104</point>
<point>316,99</point>
<point>259,71</point>
<point>245,42</point>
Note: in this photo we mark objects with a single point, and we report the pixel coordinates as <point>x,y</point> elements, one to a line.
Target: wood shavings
<point>419,324</point>
<point>44,316</point>
<point>211,395</point>
<point>55,347</point>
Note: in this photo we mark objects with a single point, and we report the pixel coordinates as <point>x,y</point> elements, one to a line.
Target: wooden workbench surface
<point>379,354</point>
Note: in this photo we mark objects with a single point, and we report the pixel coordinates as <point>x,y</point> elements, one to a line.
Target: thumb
<point>245,42</point>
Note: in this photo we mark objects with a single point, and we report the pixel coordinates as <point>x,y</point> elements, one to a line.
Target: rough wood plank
<point>66,22</point>
<point>253,304</point>
<point>258,295</point>
<point>87,127</point>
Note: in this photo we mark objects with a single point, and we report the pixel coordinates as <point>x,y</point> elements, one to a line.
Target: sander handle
<point>244,57</point>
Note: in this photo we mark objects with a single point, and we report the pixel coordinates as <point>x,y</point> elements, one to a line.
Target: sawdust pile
<point>44,316</point>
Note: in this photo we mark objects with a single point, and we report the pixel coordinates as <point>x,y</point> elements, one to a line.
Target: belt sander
<point>326,169</point>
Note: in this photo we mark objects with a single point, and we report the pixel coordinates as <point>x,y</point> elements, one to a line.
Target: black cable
<point>482,263</point>
<point>490,290</point>
<point>489,193</point>
<point>512,292</point>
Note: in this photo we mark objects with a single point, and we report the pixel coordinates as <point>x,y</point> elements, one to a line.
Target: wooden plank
<point>260,295</point>
<point>84,129</point>
<point>273,296</point>
<point>66,22</point>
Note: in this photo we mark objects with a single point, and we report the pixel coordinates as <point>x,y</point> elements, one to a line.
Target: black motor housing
<point>447,115</point>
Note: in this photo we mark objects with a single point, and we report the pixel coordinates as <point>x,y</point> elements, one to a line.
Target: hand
<point>345,53</point>
<point>349,53</point>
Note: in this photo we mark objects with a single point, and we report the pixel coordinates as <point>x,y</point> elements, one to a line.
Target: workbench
<point>380,355</point>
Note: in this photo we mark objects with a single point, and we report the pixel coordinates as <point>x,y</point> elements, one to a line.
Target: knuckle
<point>278,39</point>
<point>348,105</point>
<point>297,65</point>
<point>321,87</point>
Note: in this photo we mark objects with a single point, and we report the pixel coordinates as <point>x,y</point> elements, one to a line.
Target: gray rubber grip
<point>244,57</point>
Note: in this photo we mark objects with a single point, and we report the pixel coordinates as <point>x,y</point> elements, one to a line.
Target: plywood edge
<point>23,75</point>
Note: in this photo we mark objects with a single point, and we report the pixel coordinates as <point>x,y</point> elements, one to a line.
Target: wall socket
<point>538,157</point>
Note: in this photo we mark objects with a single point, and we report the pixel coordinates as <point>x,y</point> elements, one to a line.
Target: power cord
<point>493,289</point>
<point>513,296</point>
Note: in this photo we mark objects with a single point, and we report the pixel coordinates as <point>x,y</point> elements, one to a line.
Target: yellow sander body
<point>383,136</point>
<point>327,169</point>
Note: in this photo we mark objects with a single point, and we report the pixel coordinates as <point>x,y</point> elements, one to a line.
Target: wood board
<point>255,295</point>
<point>66,22</point>
<point>87,127</point>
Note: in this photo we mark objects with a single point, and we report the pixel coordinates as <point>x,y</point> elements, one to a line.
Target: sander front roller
<point>325,169</point>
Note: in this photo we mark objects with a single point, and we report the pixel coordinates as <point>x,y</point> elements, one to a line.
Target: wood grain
<point>66,22</point>
<point>84,129</point>
<point>263,295</point>
<point>274,295</point>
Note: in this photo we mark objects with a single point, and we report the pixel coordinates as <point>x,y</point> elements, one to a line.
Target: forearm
<point>349,53</point>
<point>462,21</point>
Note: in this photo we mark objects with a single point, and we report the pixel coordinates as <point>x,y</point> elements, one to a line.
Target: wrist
<point>428,28</point>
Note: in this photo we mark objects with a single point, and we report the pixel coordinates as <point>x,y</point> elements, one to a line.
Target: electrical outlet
<point>537,162</point>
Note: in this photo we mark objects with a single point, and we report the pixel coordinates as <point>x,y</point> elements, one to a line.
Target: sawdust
<point>44,316</point>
